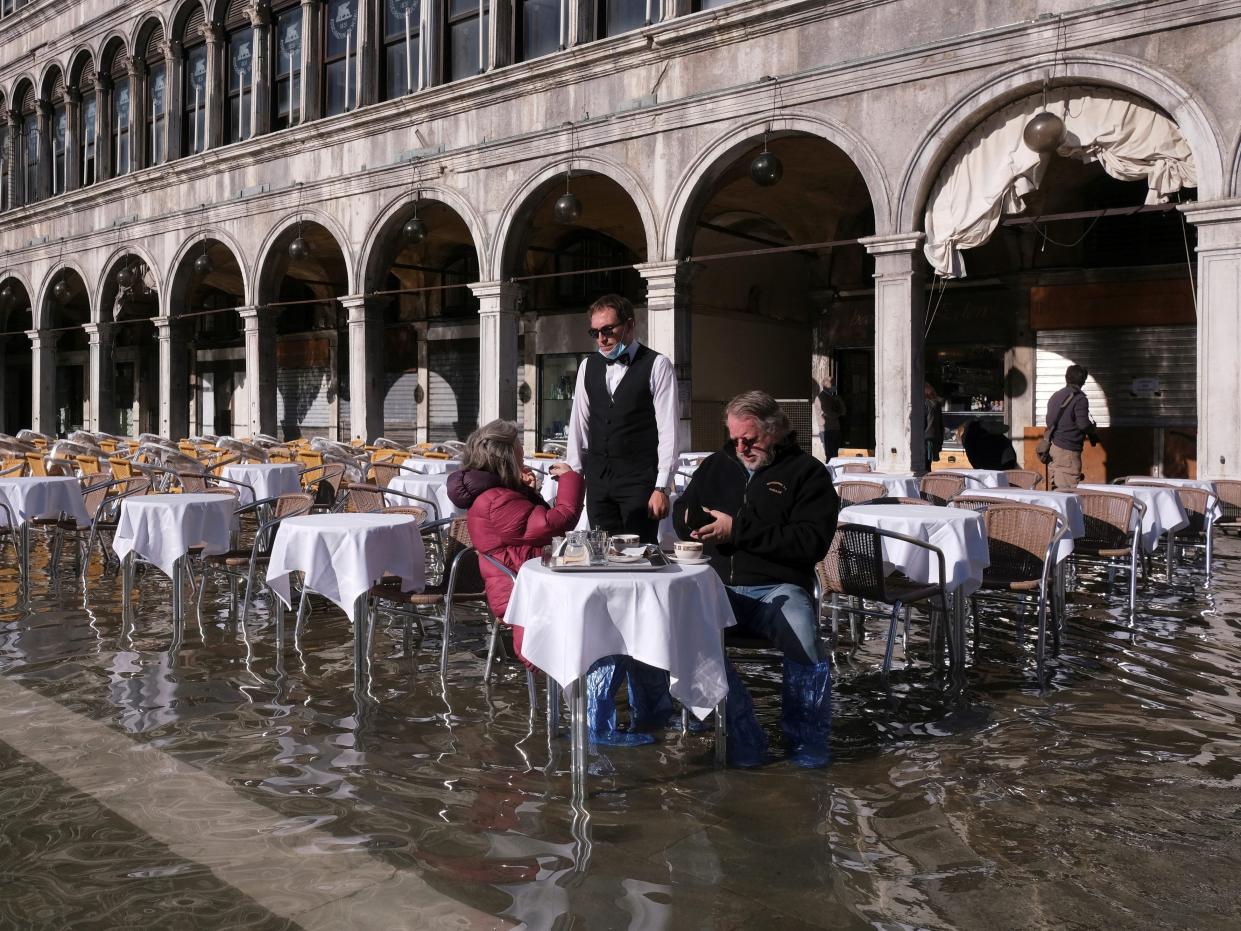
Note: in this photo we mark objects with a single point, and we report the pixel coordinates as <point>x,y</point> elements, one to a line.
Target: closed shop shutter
<point>401,406</point>
<point>452,388</point>
<point>1139,376</point>
<point>302,404</point>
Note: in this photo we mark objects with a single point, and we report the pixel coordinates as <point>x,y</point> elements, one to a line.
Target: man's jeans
<point>784,614</point>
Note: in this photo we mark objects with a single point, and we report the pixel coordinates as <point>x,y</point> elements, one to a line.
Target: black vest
<point>622,427</point>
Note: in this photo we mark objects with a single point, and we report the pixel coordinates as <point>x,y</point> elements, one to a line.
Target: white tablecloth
<point>431,466</point>
<point>1067,504</point>
<point>979,478</point>
<point>162,528</point>
<point>959,534</point>
<point>671,619</point>
<point>343,555</point>
<point>431,487</point>
<point>268,479</point>
<point>895,484</point>
<point>836,464</point>
<point>44,496</point>
<point>1200,483</point>
<point>1163,510</point>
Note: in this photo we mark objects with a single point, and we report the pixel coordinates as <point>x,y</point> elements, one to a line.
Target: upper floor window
<point>240,54</point>
<point>28,152</point>
<point>286,69</point>
<point>584,250</point>
<point>466,45</point>
<point>340,54</point>
<point>194,95</point>
<point>121,105</point>
<point>12,6</point>
<point>4,160</point>
<point>536,27</point>
<point>88,126</point>
<point>617,16</point>
<point>401,44</point>
<point>710,4</point>
<point>155,109</point>
<point>60,135</point>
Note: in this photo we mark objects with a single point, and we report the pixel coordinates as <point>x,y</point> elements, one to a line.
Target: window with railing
<point>465,42</point>
<point>340,54</point>
<point>401,45</point>
<point>536,28</point>
<point>286,68</point>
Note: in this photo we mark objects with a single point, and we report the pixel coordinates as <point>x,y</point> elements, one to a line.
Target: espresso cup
<point>687,549</point>
<point>622,540</point>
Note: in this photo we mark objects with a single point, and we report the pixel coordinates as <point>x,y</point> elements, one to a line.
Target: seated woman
<point>984,449</point>
<point>508,520</point>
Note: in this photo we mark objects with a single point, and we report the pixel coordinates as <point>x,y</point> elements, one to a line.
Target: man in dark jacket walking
<point>766,513</point>
<point>1069,425</point>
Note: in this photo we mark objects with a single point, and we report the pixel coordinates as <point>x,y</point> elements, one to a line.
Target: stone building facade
<point>341,217</point>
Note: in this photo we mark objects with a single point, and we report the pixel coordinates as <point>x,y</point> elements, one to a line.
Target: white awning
<point>992,170</point>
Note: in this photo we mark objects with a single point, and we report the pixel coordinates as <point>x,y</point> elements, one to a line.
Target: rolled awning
<point>992,170</point>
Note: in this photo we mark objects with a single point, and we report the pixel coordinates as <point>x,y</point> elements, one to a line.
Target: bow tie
<point>622,359</point>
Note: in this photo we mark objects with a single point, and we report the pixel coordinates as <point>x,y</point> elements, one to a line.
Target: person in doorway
<point>766,514</point>
<point>623,438</point>
<point>1069,426</point>
<point>933,419</point>
<point>829,411</point>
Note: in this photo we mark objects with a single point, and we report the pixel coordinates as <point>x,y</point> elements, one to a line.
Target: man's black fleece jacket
<point>784,515</point>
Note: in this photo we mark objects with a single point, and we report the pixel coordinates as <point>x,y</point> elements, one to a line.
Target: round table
<point>958,534</point>
<point>33,496</point>
<point>162,528</point>
<point>1067,504</point>
<point>1164,514</point>
<point>979,478</point>
<point>836,464</point>
<point>1200,483</point>
<point>895,484</point>
<point>429,487</point>
<point>265,479</point>
<point>431,466</point>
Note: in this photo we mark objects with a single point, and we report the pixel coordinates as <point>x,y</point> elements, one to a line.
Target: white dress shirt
<point>667,413</point>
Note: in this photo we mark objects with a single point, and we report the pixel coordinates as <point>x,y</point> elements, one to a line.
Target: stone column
<point>260,100</point>
<point>174,376</point>
<point>1219,335</point>
<point>899,340</point>
<point>499,34</point>
<point>46,162</point>
<point>139,107</point>
<point>497,349</point>
<point>260,327</point>
<point>73,115</point>
<point>312,57</point>
<point>102,375</point>
<point>104,156</point>
<point>369,43</point>
<point>669,329</point>
<point>174,99</point>
<point>43,381</point>
<point>366,414</point>
<point>217,90</point>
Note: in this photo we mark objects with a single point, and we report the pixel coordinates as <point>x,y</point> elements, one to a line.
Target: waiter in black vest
<point>623,438</point>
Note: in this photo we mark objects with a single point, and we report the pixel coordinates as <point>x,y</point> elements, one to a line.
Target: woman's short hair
<point>493,448</point>
<point>763,408</point>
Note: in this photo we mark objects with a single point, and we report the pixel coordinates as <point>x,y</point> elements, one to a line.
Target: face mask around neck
<point>615,352</point>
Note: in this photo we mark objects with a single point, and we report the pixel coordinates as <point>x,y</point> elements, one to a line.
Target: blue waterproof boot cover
<point>806,718</point>
<point>602,681</point>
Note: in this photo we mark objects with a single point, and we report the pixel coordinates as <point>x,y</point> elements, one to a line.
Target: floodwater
<point>1109,798</point>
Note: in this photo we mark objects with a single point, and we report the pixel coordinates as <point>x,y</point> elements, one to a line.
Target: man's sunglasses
<point>746,442</point>
<point>606,331</point>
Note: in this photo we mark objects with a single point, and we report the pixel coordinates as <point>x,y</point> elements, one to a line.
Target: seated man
<point>766,512</point>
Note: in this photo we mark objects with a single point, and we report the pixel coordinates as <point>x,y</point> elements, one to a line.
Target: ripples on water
<point>1108,798</point>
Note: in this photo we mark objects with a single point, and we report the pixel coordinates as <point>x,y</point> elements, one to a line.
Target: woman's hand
<point>559,469</point>
<point>528,478</point>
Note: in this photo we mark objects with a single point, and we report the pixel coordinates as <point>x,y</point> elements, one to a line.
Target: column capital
<point>97,332</point>
<point>893,243</point>
<point>171,49</point>
<point>260,14</point>
<point>40,338</point>
<point>73,95</point>
<point>503,293</point>
<point>1218,223</point>
<point>103,80</point>
<point>250,314</point>
<point>652,271</point>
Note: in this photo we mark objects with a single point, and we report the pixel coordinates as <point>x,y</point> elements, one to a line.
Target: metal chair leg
<point>491,649</point>
<point>887,655</point>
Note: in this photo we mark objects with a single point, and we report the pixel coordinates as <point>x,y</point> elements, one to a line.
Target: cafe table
<point>895,484</point>
<point>1164,515</point>
<point>836,464</point>
<point>34,496</point>
<point>261,480</point>
<point>341,556</point>
<point>666,534</point>
<point>162,529</point>
<point>957,533</point>
<point>979,478</point>
<point>1202,484</point>
<point>1066,503</point>
<point>430,466</point>
<point>428,487</point>
<point>671,618</point>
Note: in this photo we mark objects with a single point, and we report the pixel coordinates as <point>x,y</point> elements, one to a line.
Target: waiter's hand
<point>657,506</point>
<point>719,530</point>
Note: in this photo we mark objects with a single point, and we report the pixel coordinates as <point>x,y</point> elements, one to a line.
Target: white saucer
<point>622,558</point>
<point>688,562</point>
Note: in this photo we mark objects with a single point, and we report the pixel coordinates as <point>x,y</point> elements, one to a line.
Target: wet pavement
<point>161,775</point>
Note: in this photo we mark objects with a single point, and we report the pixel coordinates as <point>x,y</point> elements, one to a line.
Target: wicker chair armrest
<point>913,541</point>
<point>434,507</point>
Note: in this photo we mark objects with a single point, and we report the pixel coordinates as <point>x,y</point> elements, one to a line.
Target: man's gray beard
<point>764,460</point>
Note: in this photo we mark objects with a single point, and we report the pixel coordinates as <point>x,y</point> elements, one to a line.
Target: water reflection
<point>1091,798</point>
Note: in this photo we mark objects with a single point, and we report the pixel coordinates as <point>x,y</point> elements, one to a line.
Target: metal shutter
<point>1118,360</point>
<point>401,406</point>
<point>452,379</point>
<point>302,406</point>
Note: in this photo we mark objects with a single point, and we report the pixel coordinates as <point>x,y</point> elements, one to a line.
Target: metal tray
<point>651,563</point>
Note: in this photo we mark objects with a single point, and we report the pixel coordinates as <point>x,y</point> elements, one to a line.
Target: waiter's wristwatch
<point>667,491</point>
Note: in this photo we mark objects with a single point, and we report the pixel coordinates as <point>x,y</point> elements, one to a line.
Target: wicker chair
<point>859,492</point>
<point>461,583</point>
<point>1021,541</point>
<point>1229,493</point>
<point>103,502</point>
<point>854,568</point>
<point>12,468</point>
<point>1199,506</point>
<point>1023,478</point>
<point>242,563</point>
<point>940,487</point>
<point>323,481</point>
<point>364,499</point>
<point>856,467</point>
<point>1113,532</point>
